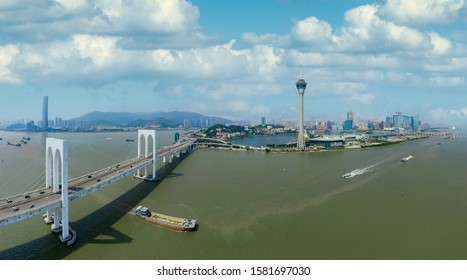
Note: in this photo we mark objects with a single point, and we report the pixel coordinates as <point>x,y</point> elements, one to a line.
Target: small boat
<point>130,140</point>
<point>406,159</point>
<point>353,173</point>
<point>179,224</point>
<point>24,142</point>
<point>11,144</point>
<point>27,138</point>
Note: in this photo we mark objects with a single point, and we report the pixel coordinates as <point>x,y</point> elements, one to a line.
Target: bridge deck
<point>23,206</point>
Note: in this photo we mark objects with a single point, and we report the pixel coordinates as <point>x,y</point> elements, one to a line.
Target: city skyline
<point>371,57</point>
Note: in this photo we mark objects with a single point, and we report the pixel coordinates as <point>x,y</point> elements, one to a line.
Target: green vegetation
<point>212,131</point>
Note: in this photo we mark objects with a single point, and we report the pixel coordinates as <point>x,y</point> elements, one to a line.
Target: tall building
<point>45,113</point>
<point>348,124</point>
<point>263,120</point>
<point>350,115</point>
<point>415,122</point>
<point>301,86</point>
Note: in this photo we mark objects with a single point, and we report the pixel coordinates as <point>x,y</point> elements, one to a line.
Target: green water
<point>252,205</point>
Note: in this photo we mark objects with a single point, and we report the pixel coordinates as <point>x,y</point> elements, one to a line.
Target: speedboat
<point>405,159</point>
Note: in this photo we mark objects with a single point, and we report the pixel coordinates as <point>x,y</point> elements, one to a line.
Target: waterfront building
<point>350,115</point>
<point>45,113</point>
<point>263,120</point>
<point>301,86</point>
<point>326,142</point>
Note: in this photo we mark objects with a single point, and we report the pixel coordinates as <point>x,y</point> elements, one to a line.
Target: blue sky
<point>235,59</point>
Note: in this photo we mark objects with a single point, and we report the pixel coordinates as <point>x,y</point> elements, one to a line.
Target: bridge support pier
<point>56,170</point>
<point>146,135</point>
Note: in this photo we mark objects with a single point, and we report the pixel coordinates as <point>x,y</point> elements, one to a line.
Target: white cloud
<point>343,59</point>
<point>266,39</point>
<point>442,114</point>
<point>149,15</point>
<point>7,56</point>
<point>100,50</point>
<point>441,45</point>
<point>312,31</point>
<point>72,5</point>
<point>455,64</point>
<point>421,11</point>
<point>448,81</point>
<point>364,30</point>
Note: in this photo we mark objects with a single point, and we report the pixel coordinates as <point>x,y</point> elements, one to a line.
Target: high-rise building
<point>263,120</point>
<point>301,86</point>
<point>415,122</point>
<point>45,113</point>
<point>350,115</point>
<point>348,124</point>
<point>389,122</point>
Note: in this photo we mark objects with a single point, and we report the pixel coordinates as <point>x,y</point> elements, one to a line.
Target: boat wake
<point>359,171</point>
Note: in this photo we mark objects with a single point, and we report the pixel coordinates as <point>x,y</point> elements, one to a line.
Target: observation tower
<point>301,86</point>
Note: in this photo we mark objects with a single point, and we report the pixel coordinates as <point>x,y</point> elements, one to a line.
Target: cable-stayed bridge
<point>52,200</point>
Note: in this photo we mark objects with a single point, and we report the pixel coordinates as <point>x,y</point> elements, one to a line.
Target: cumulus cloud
<point>365,31</point>
<point>312,30</point>
<point>417,12</point>
<point>441,45</point>
<point>7,55</point>
<point>42,20</point>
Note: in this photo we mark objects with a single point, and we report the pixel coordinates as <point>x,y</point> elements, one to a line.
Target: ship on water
<point>179,224</point>
<point>11,144</point>
<point>405,159</point>
<point>353,173</point>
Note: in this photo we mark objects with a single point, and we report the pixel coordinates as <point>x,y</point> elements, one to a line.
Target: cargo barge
<point>179,224</point>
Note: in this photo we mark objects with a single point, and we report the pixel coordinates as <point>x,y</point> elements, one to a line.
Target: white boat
<point>353,173</point>
<point>405,159</point>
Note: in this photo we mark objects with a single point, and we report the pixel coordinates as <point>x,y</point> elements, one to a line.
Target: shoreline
<point>235,147</point>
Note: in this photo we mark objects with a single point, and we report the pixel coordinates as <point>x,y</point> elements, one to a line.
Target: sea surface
<point>250,204</point>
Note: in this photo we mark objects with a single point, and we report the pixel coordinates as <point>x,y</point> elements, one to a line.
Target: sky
<point>235,59</point>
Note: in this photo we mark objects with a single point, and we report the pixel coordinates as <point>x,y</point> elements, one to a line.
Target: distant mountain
<point>164,119</point>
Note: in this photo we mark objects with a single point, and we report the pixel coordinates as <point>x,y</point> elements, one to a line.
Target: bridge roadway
<point>23,206</point>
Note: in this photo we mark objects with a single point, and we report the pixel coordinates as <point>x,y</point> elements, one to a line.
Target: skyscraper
<point>301,86</point>
<point>350,115</point>
<point>45,113</point>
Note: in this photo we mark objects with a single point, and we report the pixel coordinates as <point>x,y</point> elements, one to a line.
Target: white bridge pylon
<point>56,177</point>
<point>147,135</point>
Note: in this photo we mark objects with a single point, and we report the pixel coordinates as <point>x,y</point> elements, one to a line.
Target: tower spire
<point>301,71</point>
